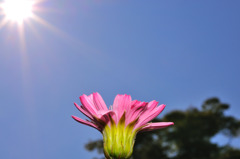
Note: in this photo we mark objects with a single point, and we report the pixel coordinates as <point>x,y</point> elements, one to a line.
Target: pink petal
<point>136,109</point>
<point>134,102</point>
<point>152,105</point>
<point>148,110</point>
<point>86,122</point>
<point>84,111</point>
<point>146,117</point>
<point>144,113</point>
<point>154,113</point>
<point>99,102</point>
<point>106,116</point>
<point>121,103</point>
<point>154,126</point>
<point>87,102</point>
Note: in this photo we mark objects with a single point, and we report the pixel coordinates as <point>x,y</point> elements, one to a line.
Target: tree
<point>190,137</point>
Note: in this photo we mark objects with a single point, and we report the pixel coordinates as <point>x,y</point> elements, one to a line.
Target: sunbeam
<point>23,12</point>
<point>17,10</point>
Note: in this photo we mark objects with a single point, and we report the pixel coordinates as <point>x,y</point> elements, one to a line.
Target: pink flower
<point>119,124</point>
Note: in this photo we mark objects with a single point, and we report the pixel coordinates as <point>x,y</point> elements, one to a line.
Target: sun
<point>17,10</point>
<point>25,16</point>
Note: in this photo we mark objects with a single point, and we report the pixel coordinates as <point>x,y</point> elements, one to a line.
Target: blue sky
<point>176,52</point>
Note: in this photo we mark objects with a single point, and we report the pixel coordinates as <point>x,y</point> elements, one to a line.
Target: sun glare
<point>23,15</point>
<point>17,10</point>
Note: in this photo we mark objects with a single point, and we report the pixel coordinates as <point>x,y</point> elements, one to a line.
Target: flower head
<point>119,124</point>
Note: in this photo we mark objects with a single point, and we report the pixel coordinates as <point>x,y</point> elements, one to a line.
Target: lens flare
<point>17,10</point>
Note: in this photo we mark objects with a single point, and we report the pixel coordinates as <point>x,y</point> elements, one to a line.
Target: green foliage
<point>190,137</point>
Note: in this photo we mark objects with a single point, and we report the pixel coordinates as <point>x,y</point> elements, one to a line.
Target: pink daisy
<point>119,124</point>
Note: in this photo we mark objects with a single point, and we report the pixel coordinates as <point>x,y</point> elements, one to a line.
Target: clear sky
<point>176,52</point>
